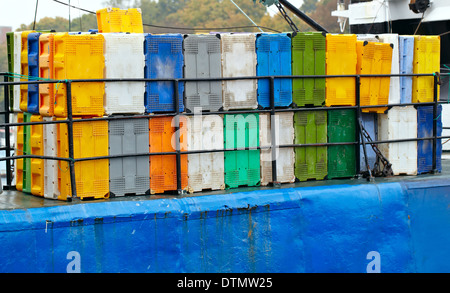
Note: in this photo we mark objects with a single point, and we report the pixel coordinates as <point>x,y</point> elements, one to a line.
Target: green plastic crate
<point>308,58</point>
<point>310,162</point>
<point>242,167</point>
<point>341,158</point>
<point>27,151</point>
<point>10,52</point>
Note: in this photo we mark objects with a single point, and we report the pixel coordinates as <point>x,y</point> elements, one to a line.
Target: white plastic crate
<point>284,124</point>
<point>12,142</point>
<point>17,65</point>
<point>394,90</point>
<point>239,59</point>
<point>51,189</point>
<point>445,123</point>
<point>399,123</point>
<point>124,58</point>
<point>205,170</point>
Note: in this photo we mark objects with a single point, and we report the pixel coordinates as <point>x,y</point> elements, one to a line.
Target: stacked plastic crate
<point>65,56</point>
<point>14,48</point>
<point>164,59</point>
<point>308,58</point>
<point>274,58</point>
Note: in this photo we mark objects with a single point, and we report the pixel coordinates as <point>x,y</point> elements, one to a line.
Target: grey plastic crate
<point>129,175</point>
<point>202,59</point>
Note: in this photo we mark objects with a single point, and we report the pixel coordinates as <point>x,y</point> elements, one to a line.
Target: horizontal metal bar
<point>34,157</point>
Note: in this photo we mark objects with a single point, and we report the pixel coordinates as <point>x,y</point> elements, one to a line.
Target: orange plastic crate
<point>163,168</point>
<point>19,152</point>
<point>46,91</point>
<point>115,20</point>
<point>90,139</point>
<point>79,57</point>
<point>374,58</point>
<point>37,148</point>
<point>24,71</point>
<point>340,60</point>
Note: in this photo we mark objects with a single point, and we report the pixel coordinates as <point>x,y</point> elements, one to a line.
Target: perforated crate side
<point>163,59</point>
<point>273,53</point>
<point>128,175</point>
<point>202,57</point>
<point>239,60</point>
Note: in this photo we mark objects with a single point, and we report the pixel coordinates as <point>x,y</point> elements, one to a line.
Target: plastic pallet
<point>205,170</point>
<point>273,53</point>
<point>399,123</point>
<point>19,151</point>
<point>425,147</point>
<point>427,60</point>
<point>394,89</point>
<point>37,149</point>
<point>79,57</point>
<point>239,60</point>
<point>33,70</point>
<point>163,168</point>
<point>124,58</point>
<point>90,139</point>
<point>128,175</point>
<point>23,104</point>
<point>242,167</point>
<point>340,60</point>
<point>406,54</point>
<point>284,128</point>
<point>26,151</point>
<point>163,59</point>
<point>115,20</point>
<point>46,70</point>
<point>341,158</point>
<point>13,45</point>
<point>51,167</point>
<point>202,58</point>
<point>308,58</point>
<point>310,162</point>
<point>374,58</point>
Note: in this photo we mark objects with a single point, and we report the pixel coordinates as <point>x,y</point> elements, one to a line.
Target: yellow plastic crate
<point>340,60</point>
<point>24,71</point>
<point>374,58</point>
<point>19,152</point>
<point>90,139</point>
<point>79,57</point>
<point>115,20</point>
<point>37,148</point>
<point>427,59</point>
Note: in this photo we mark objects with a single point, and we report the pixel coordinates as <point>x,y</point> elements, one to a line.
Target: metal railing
<point>272,110</point>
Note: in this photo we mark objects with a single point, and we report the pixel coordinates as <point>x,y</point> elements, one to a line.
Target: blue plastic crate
<point>425,147</point>
<point>273,53</point>
<point>406,54</point>
<point>33,70</point>
<point>163,59</point>
<point>370,123</point>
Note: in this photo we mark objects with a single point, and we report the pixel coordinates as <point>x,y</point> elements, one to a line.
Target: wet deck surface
<point>12,199</point>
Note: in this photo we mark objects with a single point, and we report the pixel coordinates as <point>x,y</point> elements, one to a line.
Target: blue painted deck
<point>319,226</point>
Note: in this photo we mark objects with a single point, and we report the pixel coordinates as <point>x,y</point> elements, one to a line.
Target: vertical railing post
<point>177,136</point>
<point>70,139</point>
<point>7,135</point>
<point>275,181</point>
<point>435,105</point>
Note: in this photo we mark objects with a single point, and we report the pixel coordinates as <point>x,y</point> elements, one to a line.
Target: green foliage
<point>308,5</point>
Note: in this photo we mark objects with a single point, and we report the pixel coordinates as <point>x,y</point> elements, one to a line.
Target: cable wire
<point>180,28</point>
